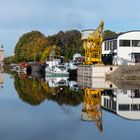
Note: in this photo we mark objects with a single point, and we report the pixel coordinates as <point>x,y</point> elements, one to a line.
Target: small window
<point>114,44</point>
<point>124,107</point>
<point>135,107</point>
<point>105,46</point>
<point>108,45</point>
<point>136,43</point>
<point>125,43</point>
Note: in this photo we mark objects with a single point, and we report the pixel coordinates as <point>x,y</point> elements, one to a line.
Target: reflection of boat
<point>125,103</point>
<point>54,68</point>
<point>57,81</point>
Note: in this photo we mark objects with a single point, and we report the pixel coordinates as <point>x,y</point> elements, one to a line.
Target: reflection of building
<point>1,80</point>
<point>125,103</point>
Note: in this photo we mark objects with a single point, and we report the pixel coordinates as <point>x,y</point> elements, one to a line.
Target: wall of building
<point>125,52</point>
<point>122,54</point>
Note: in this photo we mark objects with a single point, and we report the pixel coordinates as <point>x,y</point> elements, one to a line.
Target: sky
<point>50,16</point>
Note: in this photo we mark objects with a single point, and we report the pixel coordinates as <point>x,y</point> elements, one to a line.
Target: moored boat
<point>54,68</point>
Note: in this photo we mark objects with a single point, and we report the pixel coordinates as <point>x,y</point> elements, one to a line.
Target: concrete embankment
<point>96,71</point>
<point>125,73</point>
<point>125,76</point>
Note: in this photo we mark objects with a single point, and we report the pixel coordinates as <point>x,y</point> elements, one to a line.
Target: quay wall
<point>96,71</point>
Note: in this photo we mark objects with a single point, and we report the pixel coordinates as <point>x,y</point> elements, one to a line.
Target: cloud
<point>51,16</point>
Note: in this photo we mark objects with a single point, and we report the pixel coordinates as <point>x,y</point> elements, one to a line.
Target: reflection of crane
<point>92,107</point>
<point>93,46</point>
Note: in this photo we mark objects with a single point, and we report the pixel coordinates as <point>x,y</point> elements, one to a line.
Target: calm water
<point>33,108</point>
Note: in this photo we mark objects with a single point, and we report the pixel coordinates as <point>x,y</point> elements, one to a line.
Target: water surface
<point>32,108</point>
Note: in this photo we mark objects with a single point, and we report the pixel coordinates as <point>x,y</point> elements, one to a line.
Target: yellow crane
<point>92,97</point>
<point>93,46</point>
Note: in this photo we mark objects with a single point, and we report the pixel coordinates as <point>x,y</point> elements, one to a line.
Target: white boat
<point>54,68</point>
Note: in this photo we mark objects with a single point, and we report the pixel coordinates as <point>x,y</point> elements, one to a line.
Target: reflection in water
<point>34,90</point>
<point>92,107</point>
<point>1,79</point>
<point>123,102</point>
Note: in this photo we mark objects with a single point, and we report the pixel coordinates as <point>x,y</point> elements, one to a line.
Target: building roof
<point>121,33</point>
<point>88,30</point>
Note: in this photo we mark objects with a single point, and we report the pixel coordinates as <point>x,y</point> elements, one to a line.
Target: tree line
<point>34,46</point>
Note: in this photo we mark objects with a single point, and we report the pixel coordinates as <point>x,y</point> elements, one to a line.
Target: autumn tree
<point>30,47</point>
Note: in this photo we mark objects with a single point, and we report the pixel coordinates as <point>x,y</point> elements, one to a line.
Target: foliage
<point>47,51</point>
<point>9,60</point>
<point>34,46</point>
<point>30,47</point>
<point>34,92</point>
<point>109,34</point>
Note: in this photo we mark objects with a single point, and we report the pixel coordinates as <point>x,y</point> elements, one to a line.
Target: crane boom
<point>93,46</point>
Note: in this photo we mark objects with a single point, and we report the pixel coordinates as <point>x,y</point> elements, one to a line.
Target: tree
<point>109,34</point>
<point>30,47</point>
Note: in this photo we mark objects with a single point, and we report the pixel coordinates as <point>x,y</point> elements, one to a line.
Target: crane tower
<point>93,46</point>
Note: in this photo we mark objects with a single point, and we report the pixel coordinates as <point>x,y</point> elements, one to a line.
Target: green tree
<point>109,34</point>
<point>30,47</point>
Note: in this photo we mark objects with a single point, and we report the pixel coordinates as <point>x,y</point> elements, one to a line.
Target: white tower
<point>1,55</point>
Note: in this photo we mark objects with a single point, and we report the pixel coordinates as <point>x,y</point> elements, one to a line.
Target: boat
<point>55,68</point>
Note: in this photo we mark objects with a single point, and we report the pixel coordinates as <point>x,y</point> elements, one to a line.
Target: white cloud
<point>50,16</point>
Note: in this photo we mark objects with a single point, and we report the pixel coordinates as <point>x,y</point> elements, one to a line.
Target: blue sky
<point>50,16</point>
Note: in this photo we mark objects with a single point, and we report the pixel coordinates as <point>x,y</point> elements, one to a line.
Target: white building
<point>1,55</point>
<point>122,50</point>
<point>86,33</point>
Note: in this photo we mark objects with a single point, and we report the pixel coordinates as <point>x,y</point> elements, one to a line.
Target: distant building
<point>122,50</point>
<point>86,33</point>
<point>1,55</point>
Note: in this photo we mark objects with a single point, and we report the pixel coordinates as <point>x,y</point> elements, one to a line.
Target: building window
<point>136,43</point>
<point>105,46</point>
<point>136,57</point>
<point>114,44</point>
<point>124,43</point>
<point>135,107</point>
<point>124,107</point>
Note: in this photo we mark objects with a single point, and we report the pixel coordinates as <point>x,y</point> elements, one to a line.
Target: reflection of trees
<point>34,92</point>
<point>66,96</point>
<point>30,90</point>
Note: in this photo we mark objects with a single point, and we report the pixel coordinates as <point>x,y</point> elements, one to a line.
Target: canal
<point>59,109</point>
